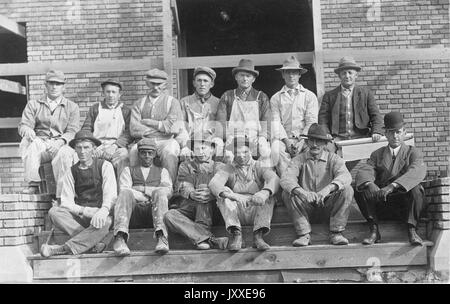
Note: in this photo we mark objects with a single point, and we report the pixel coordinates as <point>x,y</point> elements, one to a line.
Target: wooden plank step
<point>280,235</point>
<point>141,263</point>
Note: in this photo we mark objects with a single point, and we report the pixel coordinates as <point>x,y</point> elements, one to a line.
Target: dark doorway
<point>231,27</point>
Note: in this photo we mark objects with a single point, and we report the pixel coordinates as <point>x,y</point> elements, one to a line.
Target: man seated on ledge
<point>143,199</point>
<point>88,193</point>
<point>388,185</point>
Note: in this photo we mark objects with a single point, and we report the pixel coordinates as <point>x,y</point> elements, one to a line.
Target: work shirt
<point>63,122</point>
<point>314,175</point>
<point>295,113</point>
<point>109,187</point>
<point>195,108</point>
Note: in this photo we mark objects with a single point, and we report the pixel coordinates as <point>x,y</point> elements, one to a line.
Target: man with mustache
<point>315,179</point>
<point>47,126</point>
<point>388,185</point>
<point>193,219</point>
<point>245,195</point>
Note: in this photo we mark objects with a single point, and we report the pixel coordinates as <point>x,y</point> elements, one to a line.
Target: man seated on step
<point>388,184</point>
<point>193,219</point>
<point>88,193</point>
<point>143,199</point>
<point>47,125</point>
<point>109,121</point>
<point>245,195</point>
<point>317,183</point>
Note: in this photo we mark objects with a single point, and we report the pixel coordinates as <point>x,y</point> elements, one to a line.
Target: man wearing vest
<point>158,116</point>
<point>246,110</point>
<point>193,219</point>
<point>317,183</point>
<point>245,195</point>
<point>47,125</point>
<point>144,193</point>
<point>109,121</point>
<point>88,193</point>
<point>388,185</point>
<point>200,109</point>
<point>294,109</point>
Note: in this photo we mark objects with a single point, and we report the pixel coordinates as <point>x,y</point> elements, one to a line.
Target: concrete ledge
<point>14,266</point>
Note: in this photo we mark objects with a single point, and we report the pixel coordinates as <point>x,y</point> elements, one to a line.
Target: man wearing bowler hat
<point>294,109</point>
<point>246,109</point>
<point>349,110</point>
<point>158,116</point>
<point>46,127</point>
<point>193,219</point>
<point>88,194</point>
<point>200,109</point>
<point>388,185</point>
<point>317,183</point>
<point>109,121</point>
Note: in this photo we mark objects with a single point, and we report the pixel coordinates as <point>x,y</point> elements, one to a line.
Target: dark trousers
<point>404,206</point>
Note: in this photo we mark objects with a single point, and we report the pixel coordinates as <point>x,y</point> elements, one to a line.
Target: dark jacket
<point>366,112</point>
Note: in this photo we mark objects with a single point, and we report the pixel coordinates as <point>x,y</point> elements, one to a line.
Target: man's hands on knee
<point>260,198</point>
<point>370,191</point>
<point>29,133</point>
<point>100,217</point>
<point>55,145</point>
<point>308,197</point>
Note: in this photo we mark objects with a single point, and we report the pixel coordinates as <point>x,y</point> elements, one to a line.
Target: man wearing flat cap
<point>350,111</point>
<point>158,116</point>
<point>245,195</point>
<point>200,109</point>
<point>143,199</point>
<point>193,219</point>
<point>88,194</point>
<point>294,109</point>
<point>109,121</point>
<point>317,183</point>
<point>46,127</point>
<point>245,109</point>
<point>388,185</point>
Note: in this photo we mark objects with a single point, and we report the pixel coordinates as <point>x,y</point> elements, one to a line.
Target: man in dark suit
<point>350,111</point>
<point>388,185</point>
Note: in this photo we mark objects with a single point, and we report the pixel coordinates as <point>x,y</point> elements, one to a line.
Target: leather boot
<point>162,247</point>
<point>120,246</point>
<point>414,238</point>
<point>235,241</point>
<point>258,241</point>
<point>374,236</point>
<point>302,240</point>
<point>336,238</point>
<point>50,250</point>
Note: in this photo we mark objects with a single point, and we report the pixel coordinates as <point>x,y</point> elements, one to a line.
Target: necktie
<point>393,161</point>
<point>291,93</point>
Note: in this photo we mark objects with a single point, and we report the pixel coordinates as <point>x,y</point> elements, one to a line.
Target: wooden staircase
<point>282,263</point>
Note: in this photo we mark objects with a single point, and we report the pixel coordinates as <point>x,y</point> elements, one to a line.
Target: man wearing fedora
<point>143,199</point>
<point>349,110</point>
<point>317,184</point>
<point>246,109</point>
<point>88,194</point>
<point>200,109</point>
<point>158,116</point>
<point>388,185</point>
<point>109,121</point>
<point>245,195</point>
<point>47,125</point>
<point>193,219</point>
<point>294,109</point>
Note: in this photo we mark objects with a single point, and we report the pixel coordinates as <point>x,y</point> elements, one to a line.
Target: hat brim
<point>55,80</point>
<point>156,80</point>
<point>395,127</point>
<point>240,69</point>
<point>73,142</point>
<point>302,70</point>
<point>318,137</point>
<point>150,148</point>
<point>111,83</point>
<point>191,142</point>
<point>349,67</point>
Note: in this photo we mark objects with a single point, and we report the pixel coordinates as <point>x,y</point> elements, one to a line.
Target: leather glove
<point>384,192</point>
<point>260,198</point>
<point>370,191</point>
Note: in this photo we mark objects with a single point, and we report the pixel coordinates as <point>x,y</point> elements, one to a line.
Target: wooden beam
<point>318,47</point>
<point>167,42</point>
<point>176,19</point>
<point>8,150</point>
<point>12,87</point>
<point>12,26</point>
<point>81,66</point>
<point>9,122</point>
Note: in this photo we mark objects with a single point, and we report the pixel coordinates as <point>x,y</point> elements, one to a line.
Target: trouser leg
<point>407,206</point>
<point>61,163</point>
<point>280,158</point>
<point>300,212</point>
<point>338,206</point>
<point>66,221</point>
<point>123,211</point>
<point>168,152</point>
<point>230,212</point>
<point>367,207</point>
<point>263,215</point>
<point>32,157</point>
<point>160,205</point>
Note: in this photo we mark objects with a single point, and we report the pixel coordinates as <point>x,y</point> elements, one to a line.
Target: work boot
<point>336,238</point>
<point>414,238</point>
<point>235,241</point>
<point>203,246</point>
<point>303,240</point>
<point>162,247</point>
<point>258,241</point>
<point>374,236</point>
<point>120,246</point>
<point>50,250</point>
<point>98,248</point>
<point>218,242</point>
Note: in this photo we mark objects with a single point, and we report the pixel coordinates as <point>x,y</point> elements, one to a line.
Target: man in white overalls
<point>200,110</point>
<point>109,121</point>
<point>246,110</point>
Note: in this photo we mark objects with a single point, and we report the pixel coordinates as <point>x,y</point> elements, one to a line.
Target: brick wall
<point>420,89</point>
<point>438,199</point>
<point>11,175</point>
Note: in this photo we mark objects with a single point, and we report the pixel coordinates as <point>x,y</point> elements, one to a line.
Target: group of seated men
<point>240,153</point>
